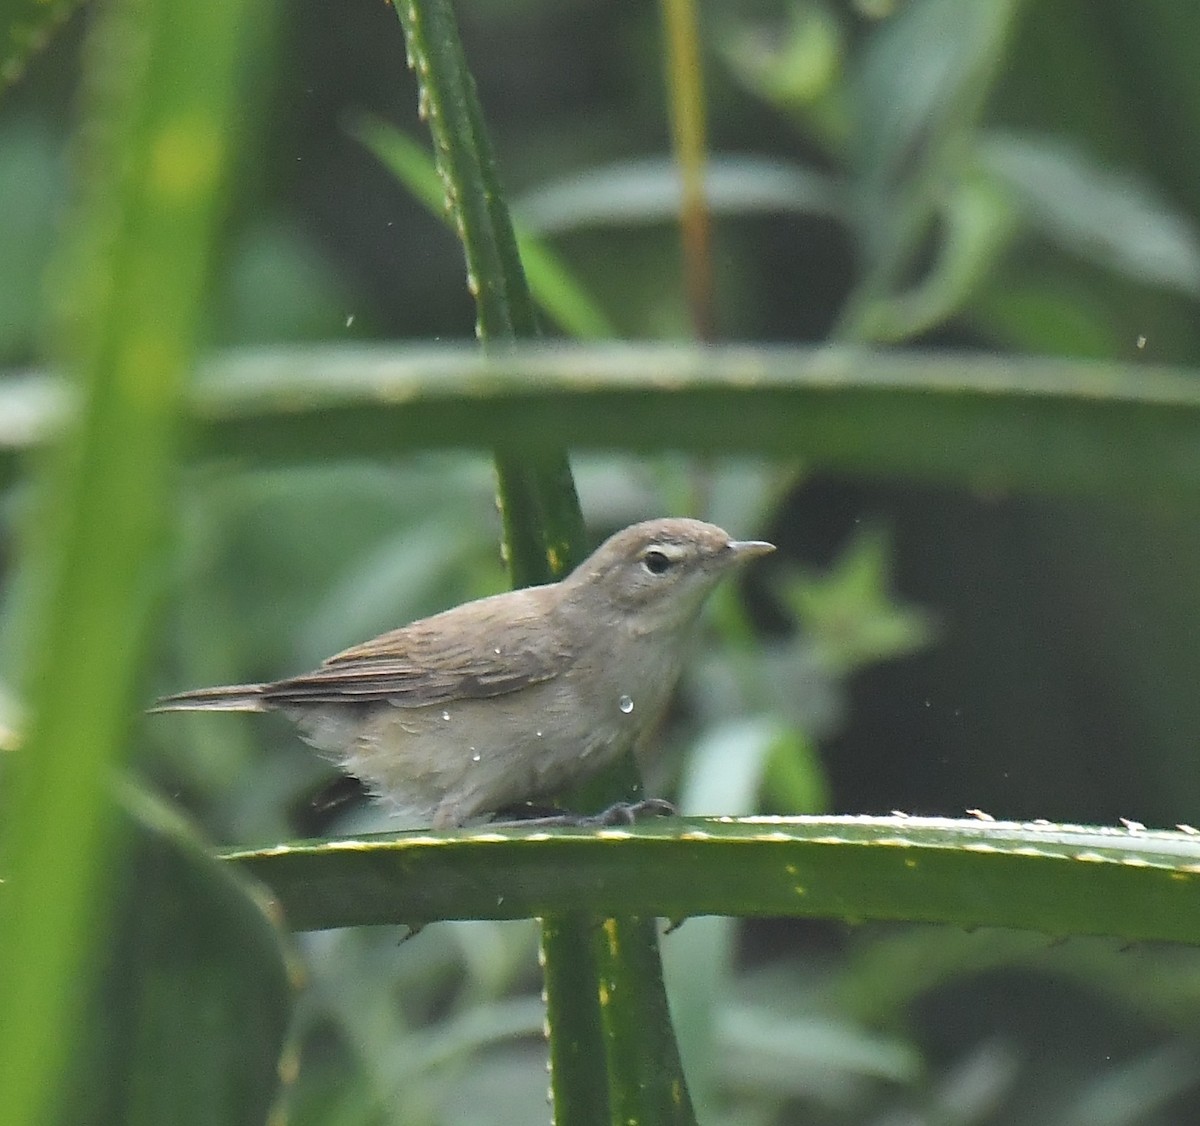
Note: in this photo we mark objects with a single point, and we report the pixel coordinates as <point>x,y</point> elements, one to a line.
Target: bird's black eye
<point>655,562</point>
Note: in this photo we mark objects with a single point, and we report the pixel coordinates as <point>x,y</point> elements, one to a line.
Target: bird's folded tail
<point>225,698</point>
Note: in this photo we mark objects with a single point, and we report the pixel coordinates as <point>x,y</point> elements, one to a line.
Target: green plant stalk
<point>156,152</point>
<point>646,1080</point>
<point>543,529</point>
<point>685,90</point>
<point>578,1078</point>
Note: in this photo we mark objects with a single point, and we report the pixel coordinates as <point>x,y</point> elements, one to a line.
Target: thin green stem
<point>685,89</point>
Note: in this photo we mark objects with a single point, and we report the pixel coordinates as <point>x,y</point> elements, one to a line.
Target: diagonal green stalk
<point>537,502</point>
<point>543,527</point>
<point>543,531</point>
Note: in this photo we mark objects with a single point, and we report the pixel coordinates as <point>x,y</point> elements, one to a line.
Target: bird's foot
<point>630,813</point>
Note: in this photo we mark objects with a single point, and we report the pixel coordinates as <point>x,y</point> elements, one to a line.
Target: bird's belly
<point>445,765</point>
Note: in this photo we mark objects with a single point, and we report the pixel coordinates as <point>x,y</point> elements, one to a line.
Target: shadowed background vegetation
<point>954,176</point>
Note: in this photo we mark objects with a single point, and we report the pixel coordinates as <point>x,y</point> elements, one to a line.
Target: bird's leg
<point>622,813</point>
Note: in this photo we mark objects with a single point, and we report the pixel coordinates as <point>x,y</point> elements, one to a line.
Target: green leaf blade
<point>1058,879</point>
<point>161,85</point>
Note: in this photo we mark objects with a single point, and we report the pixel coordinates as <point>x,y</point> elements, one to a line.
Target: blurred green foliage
<point>968,174</point>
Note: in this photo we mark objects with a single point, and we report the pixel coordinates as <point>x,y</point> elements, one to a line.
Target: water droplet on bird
<point>446,716</point>
<point>625,703</point>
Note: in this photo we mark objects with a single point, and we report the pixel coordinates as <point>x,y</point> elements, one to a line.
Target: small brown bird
<point>513,697</point>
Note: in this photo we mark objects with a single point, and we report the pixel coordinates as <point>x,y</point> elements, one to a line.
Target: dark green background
<point>1061,677</point>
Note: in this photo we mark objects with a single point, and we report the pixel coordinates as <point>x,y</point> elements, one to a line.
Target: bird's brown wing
<point>437,661</point>
<point>412,686</point>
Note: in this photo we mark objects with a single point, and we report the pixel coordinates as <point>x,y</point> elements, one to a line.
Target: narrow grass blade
<point>159,91</point>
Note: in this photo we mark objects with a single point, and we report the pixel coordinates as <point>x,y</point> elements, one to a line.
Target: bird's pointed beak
<point>745,550</point>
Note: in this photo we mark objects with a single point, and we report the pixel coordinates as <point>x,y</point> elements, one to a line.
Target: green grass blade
<point>160,87</point>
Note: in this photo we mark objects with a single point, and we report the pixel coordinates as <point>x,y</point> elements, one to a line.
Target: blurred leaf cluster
<point>958,174</point>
